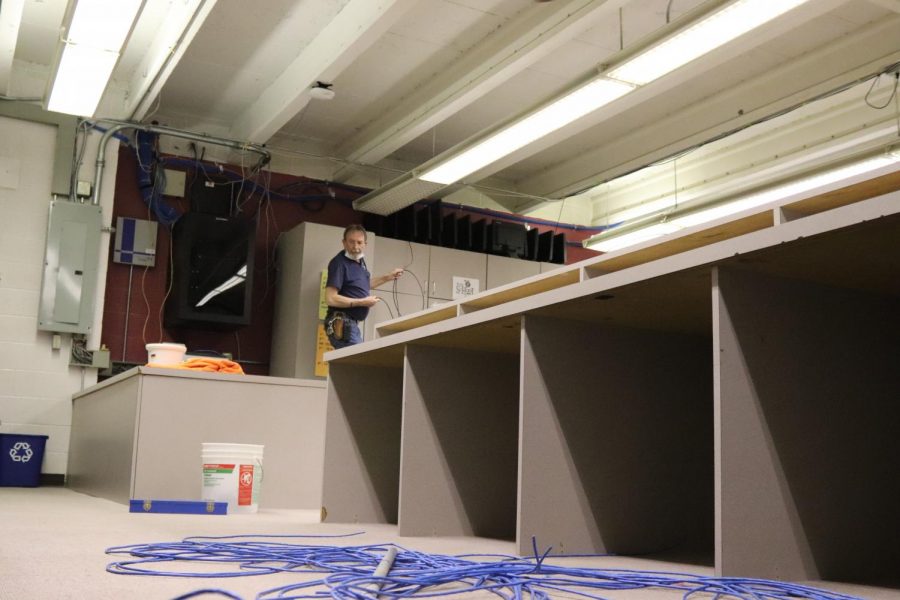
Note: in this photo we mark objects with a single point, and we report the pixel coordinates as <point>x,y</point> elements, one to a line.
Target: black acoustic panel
<point>374,223</point>
<point>435,235</point>
<point>478,241</point>
<point>212,272</point>
<point>422,233</point>
<point>531,239</point>
<point>544,246</point>
<point>389,226</point>
<point>449,232</point>
<point>464,233</point>
<point>558,254</point>
<point>406,224</point>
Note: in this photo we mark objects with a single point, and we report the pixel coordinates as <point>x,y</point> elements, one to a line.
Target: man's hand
<point>396,273</point>
<point>367,301</point>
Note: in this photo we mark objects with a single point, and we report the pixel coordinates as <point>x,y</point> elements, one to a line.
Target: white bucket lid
<point>223,448</point>
<point>166,346</point>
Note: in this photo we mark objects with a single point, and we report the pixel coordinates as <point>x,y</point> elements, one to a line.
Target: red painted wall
<point>141,317</point>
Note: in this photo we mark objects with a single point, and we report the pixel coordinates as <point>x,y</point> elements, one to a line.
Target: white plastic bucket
<point>166,354</point>
<point>232,473</point>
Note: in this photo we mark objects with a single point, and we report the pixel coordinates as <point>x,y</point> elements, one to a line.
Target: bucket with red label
<point>232,473</point>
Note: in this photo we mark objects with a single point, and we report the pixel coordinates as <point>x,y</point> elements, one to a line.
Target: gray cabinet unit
<point>502,270</point>
<point>139,434</point>
<point>446,263</point>
<point>726,397</point>
<point>411,256</point>
<point>302,254</point>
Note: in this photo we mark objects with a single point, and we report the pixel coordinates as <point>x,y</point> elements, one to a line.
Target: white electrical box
<point>70,267</point>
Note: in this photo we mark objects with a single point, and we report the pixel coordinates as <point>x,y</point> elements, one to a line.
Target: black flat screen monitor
<point>508,239</point>
<point>212,272</point>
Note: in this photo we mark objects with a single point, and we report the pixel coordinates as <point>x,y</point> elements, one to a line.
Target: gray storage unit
<point>139,434</point>
<point>730,403</point>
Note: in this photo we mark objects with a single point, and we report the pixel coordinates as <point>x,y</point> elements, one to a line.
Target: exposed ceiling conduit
<point>265,155</point>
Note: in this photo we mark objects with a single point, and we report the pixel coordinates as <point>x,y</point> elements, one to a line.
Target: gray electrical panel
<point>70,267</point>
<point>135,242</point>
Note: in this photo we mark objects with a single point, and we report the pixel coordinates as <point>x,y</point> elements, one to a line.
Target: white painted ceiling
<point>413,78</point>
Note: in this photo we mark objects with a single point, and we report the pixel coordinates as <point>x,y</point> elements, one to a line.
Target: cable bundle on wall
<point>349,572</point>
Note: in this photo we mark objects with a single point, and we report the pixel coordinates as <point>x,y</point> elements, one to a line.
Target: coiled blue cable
<point>348,572</point>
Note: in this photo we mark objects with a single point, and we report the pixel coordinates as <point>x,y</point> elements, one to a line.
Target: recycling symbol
<point>21,452</point>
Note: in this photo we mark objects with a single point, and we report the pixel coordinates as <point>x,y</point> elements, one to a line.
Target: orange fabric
<point>210,365</point>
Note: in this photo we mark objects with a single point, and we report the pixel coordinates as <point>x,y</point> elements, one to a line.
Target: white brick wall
<point>36,382</point>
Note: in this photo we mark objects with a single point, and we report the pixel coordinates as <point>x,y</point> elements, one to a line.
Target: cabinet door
<point>502,270</point>
<point>390,253</point>
<point>447,263</point>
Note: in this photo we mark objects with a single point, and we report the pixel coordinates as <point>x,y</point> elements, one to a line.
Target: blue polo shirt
<point>351,279</point>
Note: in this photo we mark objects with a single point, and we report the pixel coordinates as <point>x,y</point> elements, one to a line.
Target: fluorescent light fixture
<point>634,237</point>
<point>701,38</point>
<point>560,113</point>
<point>611,240</point>
<point>95,36</point>
<point>646,208</point>
<point>704,36</point>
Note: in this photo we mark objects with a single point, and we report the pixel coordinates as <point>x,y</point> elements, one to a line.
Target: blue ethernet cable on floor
<point>349,572</point>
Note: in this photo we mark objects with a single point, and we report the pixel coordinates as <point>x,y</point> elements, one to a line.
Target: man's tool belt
<point>337,325</point>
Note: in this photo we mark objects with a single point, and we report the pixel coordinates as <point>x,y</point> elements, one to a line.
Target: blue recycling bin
<point>21,456</point>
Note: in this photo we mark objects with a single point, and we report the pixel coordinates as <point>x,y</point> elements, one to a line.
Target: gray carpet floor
<point>53,542</point>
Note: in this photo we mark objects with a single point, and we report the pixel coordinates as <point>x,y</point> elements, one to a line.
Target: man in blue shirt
<point>348,289</point>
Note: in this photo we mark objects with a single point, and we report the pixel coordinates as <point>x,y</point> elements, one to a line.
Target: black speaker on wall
<point>212,272</point>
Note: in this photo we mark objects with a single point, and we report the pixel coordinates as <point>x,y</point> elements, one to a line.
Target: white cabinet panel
<point>502,270</point>
<point>447,263</point>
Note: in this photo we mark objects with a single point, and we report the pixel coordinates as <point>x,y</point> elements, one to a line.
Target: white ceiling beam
<point>514,47</point>
<point>893,5</point>
<point>10,18</point>
<point>352,31</point>
<point>180,24</point>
